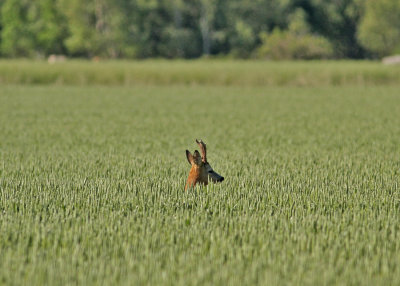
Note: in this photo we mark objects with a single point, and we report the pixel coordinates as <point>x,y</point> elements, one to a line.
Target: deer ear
<point>189,157</point>
<point>197,157</point>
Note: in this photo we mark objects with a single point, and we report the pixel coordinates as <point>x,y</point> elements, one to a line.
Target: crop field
<point>92,184</point>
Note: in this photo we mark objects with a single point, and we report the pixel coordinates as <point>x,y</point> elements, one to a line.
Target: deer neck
<point>196,175</point>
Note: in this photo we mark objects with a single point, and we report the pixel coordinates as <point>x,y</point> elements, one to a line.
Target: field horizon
<point>219,72</point>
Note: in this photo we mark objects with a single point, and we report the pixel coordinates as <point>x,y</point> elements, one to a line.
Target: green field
<point>92,184</point>
<point>200,72</point>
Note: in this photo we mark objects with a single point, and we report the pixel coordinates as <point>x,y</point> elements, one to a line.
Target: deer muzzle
<point>215,177</point>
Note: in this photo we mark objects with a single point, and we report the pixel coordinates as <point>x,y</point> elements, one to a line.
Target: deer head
<point>201,171</point>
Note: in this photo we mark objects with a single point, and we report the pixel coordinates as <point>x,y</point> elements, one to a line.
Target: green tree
<point>180,36</point>
<point>380,27</point>
<point>80,26</point>
<point>338,21</point>
<point>297,42</point>
<point>166,28</point>
<point>249,19</point>
<point>148,27</point>
<point>207,14</point>
<point>96,27</point>
<point>49,28</point>
<point>17,38</point>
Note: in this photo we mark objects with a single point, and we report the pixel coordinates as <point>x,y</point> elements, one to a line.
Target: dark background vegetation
<point>274,29</point>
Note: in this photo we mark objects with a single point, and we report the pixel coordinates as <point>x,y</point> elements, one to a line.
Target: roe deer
<point>201,172</point>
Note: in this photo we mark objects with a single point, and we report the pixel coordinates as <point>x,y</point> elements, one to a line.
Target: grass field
<point>92,178</point>
<point>200,72</point>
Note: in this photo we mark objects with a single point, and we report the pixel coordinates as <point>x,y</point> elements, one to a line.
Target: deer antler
<point>203,150</point>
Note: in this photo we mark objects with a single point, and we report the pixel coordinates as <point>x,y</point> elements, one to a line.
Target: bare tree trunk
<point>205,31</point>
<point>99,12</point>
<point>178,25</point>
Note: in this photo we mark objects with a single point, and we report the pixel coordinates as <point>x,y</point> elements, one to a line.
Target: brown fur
<point>197,175</point>
<point>200,171</point>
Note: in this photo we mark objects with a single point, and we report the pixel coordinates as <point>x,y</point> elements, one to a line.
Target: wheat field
<point>92,185</point>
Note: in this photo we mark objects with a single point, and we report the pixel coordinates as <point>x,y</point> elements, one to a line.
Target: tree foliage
<point>294,43</point>
<point>195,28</point>
<point>380,27</point>
<point>17,39</point>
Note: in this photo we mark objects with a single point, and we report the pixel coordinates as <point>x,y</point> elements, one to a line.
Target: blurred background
<point>137,29</point>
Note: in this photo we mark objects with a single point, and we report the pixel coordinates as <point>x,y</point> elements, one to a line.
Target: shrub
<point>285,46</point>
<point>295,43</point>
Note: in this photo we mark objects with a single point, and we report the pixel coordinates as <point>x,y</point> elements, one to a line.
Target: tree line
<point>274,29</point>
